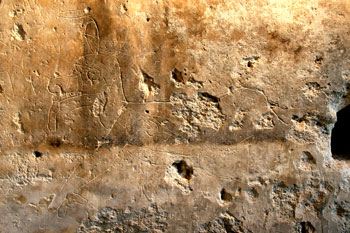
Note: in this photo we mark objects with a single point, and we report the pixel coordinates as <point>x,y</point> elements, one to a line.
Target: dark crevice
<point>149,81</point>
<point>307,157</point>
<point>209,97</point>
<point>339,140</point>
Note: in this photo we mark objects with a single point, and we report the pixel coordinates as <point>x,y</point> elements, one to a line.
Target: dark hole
<point>225,196</point>
<point>250,64</point>
<point>148,19</point>
<point>339,139</point>
<point>177,76</point>
<point>341,211</point>
<point>146,111</point>
<point>183,169</point>
<point>1,89</point>
<point>37,154</point>
<point>318,60</point>
<point>305,227</point>
<point>125,8</point>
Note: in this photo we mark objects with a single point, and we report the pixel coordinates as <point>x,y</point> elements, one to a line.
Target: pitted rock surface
<point>174,116</point>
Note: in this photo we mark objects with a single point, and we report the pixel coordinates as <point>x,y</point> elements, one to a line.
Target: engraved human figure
<point>91,82</point>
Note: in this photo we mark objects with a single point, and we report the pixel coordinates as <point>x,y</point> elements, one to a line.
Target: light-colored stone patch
<point>201,111</point>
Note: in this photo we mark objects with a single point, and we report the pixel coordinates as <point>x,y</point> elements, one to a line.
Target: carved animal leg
<point>53,112</point>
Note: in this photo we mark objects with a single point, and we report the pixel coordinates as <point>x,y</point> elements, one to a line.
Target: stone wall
<point>174,116</point>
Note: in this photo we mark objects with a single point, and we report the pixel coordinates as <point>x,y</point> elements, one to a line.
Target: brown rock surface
<point>174,116</point>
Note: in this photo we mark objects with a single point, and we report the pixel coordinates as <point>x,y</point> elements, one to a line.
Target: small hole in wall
<point>250,64</point>
<point>147,111</point>
<point>318,60</point>
<point>339,139</point>
<point>37,154</point>
<point>177,76</point>
<point>225,196</point>
<point>148,19</point>
<point>125,8</point>
<point>183,169</point>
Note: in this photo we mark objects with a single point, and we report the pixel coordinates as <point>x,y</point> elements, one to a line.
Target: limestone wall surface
<point>174,116</point>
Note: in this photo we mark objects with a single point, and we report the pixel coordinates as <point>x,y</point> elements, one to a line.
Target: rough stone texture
<point>173,116</point>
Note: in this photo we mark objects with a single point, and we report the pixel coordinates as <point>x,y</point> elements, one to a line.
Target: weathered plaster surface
<point>173,116</point>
